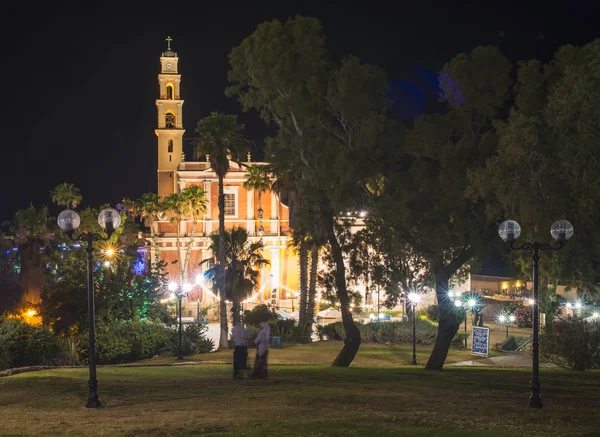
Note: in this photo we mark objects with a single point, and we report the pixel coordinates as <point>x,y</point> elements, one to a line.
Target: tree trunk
<point>303,262</point>
<point>31,276</point>
<point>224,338</point>
<point>448,324</point>
<point>235,310</point>
<point>352,341</point>
<point>190,244</point>
<point>312,290</point>
<point>178,244</point>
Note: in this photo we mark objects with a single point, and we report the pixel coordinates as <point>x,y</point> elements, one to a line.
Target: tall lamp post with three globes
<point>109,219</point>
<point>561,231</point>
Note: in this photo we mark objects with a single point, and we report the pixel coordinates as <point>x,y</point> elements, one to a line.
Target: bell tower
<point>170,124</point>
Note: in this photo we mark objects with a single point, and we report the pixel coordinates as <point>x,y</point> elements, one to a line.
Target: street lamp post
<point>109,219</point>
<point>561,231</point>
<point>414,299</point>
<point>179,292</point>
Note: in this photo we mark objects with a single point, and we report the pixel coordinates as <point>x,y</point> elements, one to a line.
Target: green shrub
<point>383,332</point>
<point>122,342</point>
<point>259,314</point>
<point>433,313</point>
<point>460,339</point>
<point>26,345</point>
<point>571,343</point>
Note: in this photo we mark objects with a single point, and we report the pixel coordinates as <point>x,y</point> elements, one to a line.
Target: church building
<point>241,208</point>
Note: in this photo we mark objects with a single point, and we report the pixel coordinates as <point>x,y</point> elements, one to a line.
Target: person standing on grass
<point>240,350</point>
<point>262,352</point>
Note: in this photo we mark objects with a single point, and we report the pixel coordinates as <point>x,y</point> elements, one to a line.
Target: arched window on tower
<point>170,146</point>
<point>170,120</point>
<point>170,91</point>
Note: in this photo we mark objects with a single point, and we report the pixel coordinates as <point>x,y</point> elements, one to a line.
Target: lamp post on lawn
<point>414,299</point>
<point>506,320</point>
<point>561,231</point>
<point>179,292</point>
<point>109,219</point>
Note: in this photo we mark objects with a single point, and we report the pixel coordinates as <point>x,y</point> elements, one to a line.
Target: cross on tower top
<point>168,39</point>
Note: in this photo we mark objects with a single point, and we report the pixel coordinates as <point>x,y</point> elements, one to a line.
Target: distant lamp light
<point>561,230</point>
<point>110,252</point>
<point>531,301</point>
<point>415,298</point>
<point>187,287</point>
<point>106,263</point>
<point>568,305</point>
<point>363,214</point>
<point>31,313</point>
<point>471,303</point>
<point>458,303</point>
<point>502,318</point>
<point>68,221</point>
<point>595,315</point>
<point>509,231</point>
<point>172,286</point>
<point>450,294</point>
<point>511,318</point>
<point>578,305</point>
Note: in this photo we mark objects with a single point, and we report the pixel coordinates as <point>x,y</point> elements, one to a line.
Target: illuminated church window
<point>169,92</point>
<point>170,146</point>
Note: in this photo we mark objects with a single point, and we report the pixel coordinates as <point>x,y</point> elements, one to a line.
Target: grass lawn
<point>300,401</point>
<point>323,353</point>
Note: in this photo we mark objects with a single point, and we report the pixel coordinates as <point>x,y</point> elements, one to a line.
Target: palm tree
<point>147,208</point>
<point>31,230</point>
<point>176,206</point>
<point>195,198</point>
<point>66,194</point>
<point>220,137</point>
<point>243,261</point>
<point>257,179</point>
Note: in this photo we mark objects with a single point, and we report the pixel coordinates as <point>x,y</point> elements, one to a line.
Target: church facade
<point>241,208</point>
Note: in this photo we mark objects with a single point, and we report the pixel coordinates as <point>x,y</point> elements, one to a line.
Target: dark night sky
<point>79,84</point>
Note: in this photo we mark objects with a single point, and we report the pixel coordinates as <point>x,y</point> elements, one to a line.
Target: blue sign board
<point>480,344</point>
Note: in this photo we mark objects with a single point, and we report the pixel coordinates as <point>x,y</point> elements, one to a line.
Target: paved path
<point>508,360</point>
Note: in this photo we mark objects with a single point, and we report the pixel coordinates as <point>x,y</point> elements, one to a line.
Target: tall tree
<point>220,137</point>
<point>147,208</point>
<point>328,120</point>
<point>243,261</point>
<point>546,166</point>
<point>425,199</point>
<point>195,199</point>
<point>66,194</point>
<point>177,207</point>
<point>257,179</point>
<point>31,229</point>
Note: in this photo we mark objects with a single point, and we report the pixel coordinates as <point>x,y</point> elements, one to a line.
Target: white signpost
<point>480,344</point>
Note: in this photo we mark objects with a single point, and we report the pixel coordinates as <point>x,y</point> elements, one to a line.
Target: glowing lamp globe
<point>568,305</point>
<point>414,298</point>
<point>502,319</point>
<point>509,231</point>
<point>172,286</point>
<point>109,219</point>
<point>595,315</point>
<point>511,318</point>
<point>68,220</point>
<point>472,303</point>
<point>561,230</point>
<point>458,303</point>
<point>187,287</point>
<point>578,305</point>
